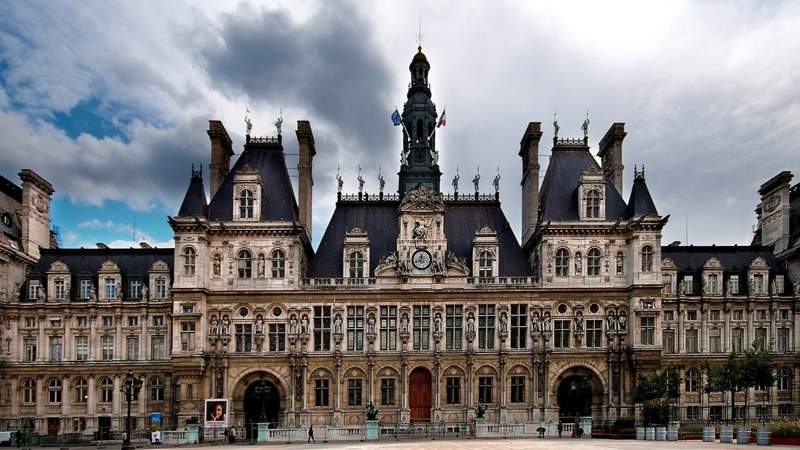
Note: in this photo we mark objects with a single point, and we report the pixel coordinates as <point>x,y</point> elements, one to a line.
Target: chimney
<point>221,152</point>
<point>529,151</point>
<point>775,211</point>
<point>611,154</point>
<point>305,139</point>
<point>36,195</point>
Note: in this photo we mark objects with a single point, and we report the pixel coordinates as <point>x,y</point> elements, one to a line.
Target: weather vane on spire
<point>419,33</point>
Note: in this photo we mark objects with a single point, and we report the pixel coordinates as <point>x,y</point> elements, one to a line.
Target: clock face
<point>421,259</point>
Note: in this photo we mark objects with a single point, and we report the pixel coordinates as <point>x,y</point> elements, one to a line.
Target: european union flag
<point>396,120</point>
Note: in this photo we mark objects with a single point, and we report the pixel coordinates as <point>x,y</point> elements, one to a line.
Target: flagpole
<point>402,123</point>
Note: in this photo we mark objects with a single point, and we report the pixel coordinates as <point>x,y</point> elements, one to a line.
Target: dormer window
<point>111,288</point>
<point>593,204</point>
<point>593,263</point>
<point>562,262</point>
<point>485,265</point>
<point>60,289</point>
<point>778,284</point>
<point>33,290</point>
<point>86,289</point>
<point>188,261</point>
<point>278,264</point>
<point>161,287</point>
<point>246,202</point>
<point>647,259</point>
<point>245,264</point>
<point>758,283</point>
<point>733,288</point>
<point>136,290</point>
<point>356,265</point>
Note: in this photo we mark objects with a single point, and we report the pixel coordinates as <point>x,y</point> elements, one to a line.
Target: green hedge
<point>786,429</point>
<point>692,429</point>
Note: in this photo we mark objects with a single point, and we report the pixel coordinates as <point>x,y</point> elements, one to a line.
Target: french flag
<point>442,119</point>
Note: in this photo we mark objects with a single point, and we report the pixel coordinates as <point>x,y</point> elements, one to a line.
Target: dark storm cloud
<point>328,66</point>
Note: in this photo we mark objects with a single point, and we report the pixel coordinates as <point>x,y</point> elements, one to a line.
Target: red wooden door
<point>419,395</point>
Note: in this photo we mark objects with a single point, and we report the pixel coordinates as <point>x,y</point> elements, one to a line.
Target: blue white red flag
<point>442,119</point>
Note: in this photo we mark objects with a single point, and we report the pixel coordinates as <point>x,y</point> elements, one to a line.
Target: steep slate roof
<point>277,195</point>
<point>194,202</point>
<point>379,220</point>
<point>10,202</point>
<point>559,193</point>
<point>640,202</point>
<point>735,260</point>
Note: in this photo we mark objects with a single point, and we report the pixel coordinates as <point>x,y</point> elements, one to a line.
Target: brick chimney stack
<point>36,195</point>
<point>529,151</point>
<point>221,152</point>
<point>305,139</point>
<point>611,154</point>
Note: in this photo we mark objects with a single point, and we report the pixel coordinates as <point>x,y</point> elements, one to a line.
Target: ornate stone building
<point>421,301</point>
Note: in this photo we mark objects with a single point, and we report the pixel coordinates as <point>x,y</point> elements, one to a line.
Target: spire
<point>194,202</point>
<point>640,202</point>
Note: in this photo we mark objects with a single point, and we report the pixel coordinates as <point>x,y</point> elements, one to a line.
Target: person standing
<point>311,434</point>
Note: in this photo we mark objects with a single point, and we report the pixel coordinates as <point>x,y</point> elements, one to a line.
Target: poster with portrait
<point>216,412</point>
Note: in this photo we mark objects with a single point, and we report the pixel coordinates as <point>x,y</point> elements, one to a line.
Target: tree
<point>655,394</point>
<point>741,371</point>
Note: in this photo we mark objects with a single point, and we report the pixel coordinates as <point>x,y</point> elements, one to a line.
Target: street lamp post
<point>130,387</point>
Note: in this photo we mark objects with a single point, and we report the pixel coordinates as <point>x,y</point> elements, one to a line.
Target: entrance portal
<point>419,394</point>
<point>262,402</point>
<point>574,397</point>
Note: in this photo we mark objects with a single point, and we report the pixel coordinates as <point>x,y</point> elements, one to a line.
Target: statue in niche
<point>217,264</point>
<point>371,324</point>
<point>293,325</point>
<point>546,321</point>
<point>304,324</point>
<point>471,325</point>
<point>260,265</point>
<point>578,263</point>
<point>621,320</point>
<point>579,321</point>
<point>213,327</point>
<point>438,264</point>
<point>503,324</point>
<point>337,324</point>
<point>259,325</point>
<point>437,323</point>
<point>535,321</point>
<point>226,325</point>
<point>611,321</point>
<point>404,323</point>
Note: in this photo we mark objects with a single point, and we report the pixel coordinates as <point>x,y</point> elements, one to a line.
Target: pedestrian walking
<point>311,434</point>
<point>560,429</point>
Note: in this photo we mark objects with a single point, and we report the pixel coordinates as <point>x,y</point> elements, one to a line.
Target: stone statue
<point>421,228</point>
<point>621,320</point>
<point>579,321</point>
<point>278,123</point>
<point>535,321</point>
<point>259,325</point>
<point>360,181</point>
<point>381,182</point>
<point>434,157</point>
<point>304,324</point>
<point>555,125</point>
<point>546,321</point>
<point>456,179</point>
<point>578,263</point>
<point>247,123</point>
<point>293,325</point>
<point>404,324</point>
<point>260,266</point>
<point>226,326</point>
<point>611,321</point>
<point>339,182</point>
<point>337,324</point>
<point>437,323</point>
<point>471,325</point>
<point>585,127</point>
<point>371,324</point>
<point>213,327</point>
<point>92,293</point>
<point>620,263</point>
<point>496,183</point>
<point>217,266</point>
<point>145,292</point>
<point>476,181</point>
<point>503,324</point>
<point>480,410</point>
<point>372,411</point>
<point>438,264</point>
<point>404,157</point>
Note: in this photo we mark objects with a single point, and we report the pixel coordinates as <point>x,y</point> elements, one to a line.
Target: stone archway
<point>259,397</point>
<point>579,393</point>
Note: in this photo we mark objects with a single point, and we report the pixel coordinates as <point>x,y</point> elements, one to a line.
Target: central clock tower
<point>422,244</point>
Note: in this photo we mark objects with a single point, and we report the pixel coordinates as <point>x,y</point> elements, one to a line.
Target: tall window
<point>594,333</point>
<point>593,263</point>
<point>737,339</point>
<point>387,391</point>
<point>356,263</point>
<point>81,348</point>
<point>668,336</point>
<point>107,348</point>
<point>106,390</point>
<point>246,202</point>
<point>85,289</point>
<point>760,336</point>
<point>734,284</point>
<point>453,388</point>
<point>692,341</point>
<point>277,337</point>
<point>561,334</point>
<point>278,264</point>
<point>454,318</point>
<point>60,288</point>
<point>187,336</point>
<point>81,390</point>
<point>244,337</point>
<point>783,340</point>
<point>485,388</point>
<point>30,349</point>
<point>648,330</point>
<point>156,389</point>
<point>422,326</point>
<point>517,389</point>
<point>245,264</point>
<point>647,259</point>
<point>132,345</point>
<point>157,347</point>
<point>322,328</point>
<point>519,326</point>
<point>486,327</point>
<point>562,263</point>
<point>354,392</point>
<point>388,327</point>
<point>714,341</point>
<point>188,261</point>
<point>355,328</point>
<point>692,380</point>
<point>56,348</point>
<point>321,391</point>
<point>785,379</point>
<point>161,287</point>
<point>54,390</point>
<point>758,284</point>
<point>28,391</point>
<point>111,288</point>
<point>136,290</point>
<point>593,204</point>
<point>485,264</point>
<point>33,290</point>
<point>713,283</point>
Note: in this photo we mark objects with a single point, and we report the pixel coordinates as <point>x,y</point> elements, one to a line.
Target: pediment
<point>159,266</point>
<point>58,266</point>
<point>712,264</point>
<point>109,266</point>
<point>422,198</point>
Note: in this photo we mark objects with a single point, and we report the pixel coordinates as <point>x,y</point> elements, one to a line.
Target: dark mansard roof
<point>559,193</point>
<point>380,221</point>
<point>10,202</point>
<point>640,202</point>
<point>87,261</point>
<point>194,202</point>
<point>734,259</point>
<point>277,196</point>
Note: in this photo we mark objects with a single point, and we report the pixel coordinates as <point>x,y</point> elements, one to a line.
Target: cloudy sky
<point>110,100</point>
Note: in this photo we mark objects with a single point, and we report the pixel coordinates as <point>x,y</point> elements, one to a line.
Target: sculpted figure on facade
<point>261,265</point>
<point>437,323</point>
<point>503,323</point>
<point>535,321</point>
<point>578,263</point>
<point>304,324</point>
<point>546,322</point>
<point>611,321</point>
<point>337,324</point>
<point>404,323</point>
<point>470,327</point>
<point>293,325</point>
<point>259,325</point>
<point>371,324</point>
<point>456,179</point>
<point>579,321</point>
<point>217,265</point>
<point>213,326</point>
<point>421,228</point>
<point>622,321</point>
<point>226,326</point>
<point>145,292</point>
<point>437,267</point>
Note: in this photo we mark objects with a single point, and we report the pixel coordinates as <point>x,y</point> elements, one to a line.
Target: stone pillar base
<point>263,433</point>
<point>373,430</point>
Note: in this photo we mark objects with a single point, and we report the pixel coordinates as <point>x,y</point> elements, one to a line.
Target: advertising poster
<point>216,415</point>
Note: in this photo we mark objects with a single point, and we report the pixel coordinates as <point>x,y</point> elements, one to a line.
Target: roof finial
<point>279,122</point>
<point>585,127</point>
<point>555,126</point>
<point>247,123</point>
<point>419,33</point>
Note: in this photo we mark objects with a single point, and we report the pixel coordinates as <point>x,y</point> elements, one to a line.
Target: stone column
<point>42,350</point>
<point>15,396</point>
<point>66,349</point>
<point>727,345</point>
<point>41,397</point>
<point>66,399</point>
<point>119,340</point>
<point>680,335</point>
<point>534,389</point>
<point>704,404</point>
<point>703,338</point>
<point>144,348</point>
<point>91,404</point>
<point>116,403</point>
<point>749,338</point>
<point>371,376</point>
<point>94,344</point>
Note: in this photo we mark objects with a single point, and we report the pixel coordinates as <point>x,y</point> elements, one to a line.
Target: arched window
<point>485,264</point>
<point>246,202</point>
<point>106,390</point>
<point>593,263</point>
<point>188,261</point>
<point>156,389</point>
<point>647,258</point>
<point>245,264</point>
<point>356,262</point>
<point>81,390</point>
<point>692,380</point>
<point>593,204</point>
<point>562,263</point>
<point>785,379</point>
<point>620,263</point>
<point>28,391</point>
<point>278,264</point>
<point>54,390</point>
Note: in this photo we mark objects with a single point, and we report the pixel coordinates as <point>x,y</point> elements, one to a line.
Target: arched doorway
<point>419,394</point>
<point>579,393</point>
<point>262,403</point>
